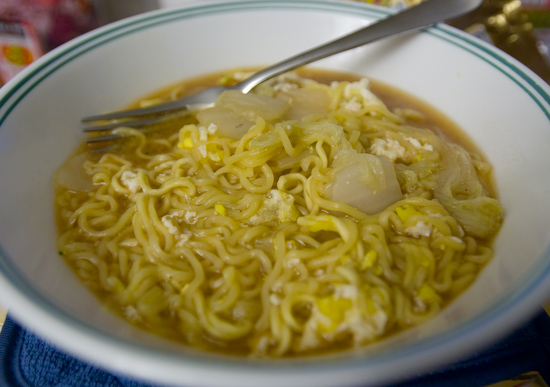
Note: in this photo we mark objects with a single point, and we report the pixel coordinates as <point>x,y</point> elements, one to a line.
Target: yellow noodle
<point>236,244</point>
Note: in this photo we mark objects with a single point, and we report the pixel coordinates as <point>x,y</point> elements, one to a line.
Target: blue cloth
<point>27,361</point>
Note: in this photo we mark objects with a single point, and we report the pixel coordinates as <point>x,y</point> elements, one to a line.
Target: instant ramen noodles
<point>299,218</point>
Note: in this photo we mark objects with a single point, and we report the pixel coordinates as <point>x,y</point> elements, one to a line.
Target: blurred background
<point>30,28</point>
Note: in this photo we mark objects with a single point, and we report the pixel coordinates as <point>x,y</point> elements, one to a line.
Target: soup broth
<point>320,212</point>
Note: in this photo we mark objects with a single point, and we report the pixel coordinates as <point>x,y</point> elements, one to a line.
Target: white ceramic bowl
<point>502,105</point>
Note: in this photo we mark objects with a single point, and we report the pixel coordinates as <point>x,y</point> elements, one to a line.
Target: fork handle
<point>422,15</point>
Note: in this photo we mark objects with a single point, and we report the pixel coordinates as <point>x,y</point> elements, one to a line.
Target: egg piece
<point>277,206</point>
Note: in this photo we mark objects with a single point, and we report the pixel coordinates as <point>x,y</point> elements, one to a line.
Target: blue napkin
<point>27,361</point>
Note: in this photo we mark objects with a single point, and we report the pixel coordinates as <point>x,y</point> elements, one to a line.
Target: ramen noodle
<point>299,218</point>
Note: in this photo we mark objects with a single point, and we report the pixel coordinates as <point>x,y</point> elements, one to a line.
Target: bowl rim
<point>510,311</point>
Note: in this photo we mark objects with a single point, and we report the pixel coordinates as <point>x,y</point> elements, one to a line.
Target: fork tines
<point>117,124</point>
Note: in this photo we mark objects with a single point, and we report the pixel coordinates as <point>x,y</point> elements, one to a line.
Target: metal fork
<point>422,15</point>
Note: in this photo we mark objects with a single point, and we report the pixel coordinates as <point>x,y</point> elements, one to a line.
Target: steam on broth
<point>322,211</point>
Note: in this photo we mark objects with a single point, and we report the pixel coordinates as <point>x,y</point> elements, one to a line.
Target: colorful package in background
<point>48,23</point>
<point>19,47</point>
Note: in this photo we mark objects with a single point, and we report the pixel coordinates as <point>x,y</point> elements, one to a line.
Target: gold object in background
<point>506,24</point>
